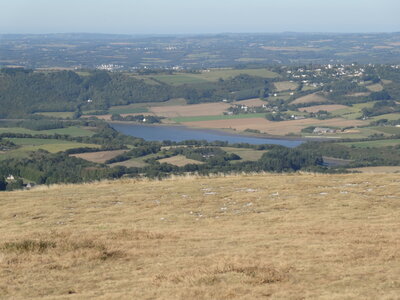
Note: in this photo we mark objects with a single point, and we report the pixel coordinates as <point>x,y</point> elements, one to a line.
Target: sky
<point>196,17</point>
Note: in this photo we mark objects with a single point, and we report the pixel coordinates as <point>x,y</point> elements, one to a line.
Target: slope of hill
<point>236,237</point>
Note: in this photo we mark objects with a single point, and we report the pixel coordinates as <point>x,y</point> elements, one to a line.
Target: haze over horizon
<point>197,17</point>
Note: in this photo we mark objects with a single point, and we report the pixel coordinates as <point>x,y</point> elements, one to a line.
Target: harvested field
<point>380,169</point>
<point>251,102</point>
<point>297,236</point>
<point>328,108</point>
<point>99,157</point>
<point>274,128</point>
<point>285,86</point>
<point>206,109</point>
<point>313,98</point>
<point>180,161</point>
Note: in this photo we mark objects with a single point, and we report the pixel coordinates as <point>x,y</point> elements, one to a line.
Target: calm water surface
<point>180,133</point>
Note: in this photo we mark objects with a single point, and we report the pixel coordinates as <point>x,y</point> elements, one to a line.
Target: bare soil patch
<point>328,108</point>
<point>310,99</point>
<point>205,109</point>
<point>99,157</point>
<point>274,128</point>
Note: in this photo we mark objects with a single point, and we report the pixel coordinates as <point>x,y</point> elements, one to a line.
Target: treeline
<point>46,168</point>
<point>24,92</point>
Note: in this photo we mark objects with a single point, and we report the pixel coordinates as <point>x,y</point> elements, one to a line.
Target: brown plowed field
<point>205,109</point>
<point>273,128</point>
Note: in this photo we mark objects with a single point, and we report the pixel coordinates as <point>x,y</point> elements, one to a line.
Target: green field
<point>32,144</point>
<point>128,110</point>
<point>245,154</point>
<point>212,75</point>
<point>214,118</point>
<point>393,116</point>
<point>388,130</point>
<point>137,162</point>
<point>352,112</point>
<point>144,106</point>
<point>374,144</point>
<point>178,79</point>
<point>57,114</point>
<point>72,131</point>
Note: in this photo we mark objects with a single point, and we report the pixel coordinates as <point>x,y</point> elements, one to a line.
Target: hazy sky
<point>194,16</point>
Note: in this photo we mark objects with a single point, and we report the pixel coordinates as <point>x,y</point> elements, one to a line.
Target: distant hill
<point>233,237</point>
<point>85,50</point>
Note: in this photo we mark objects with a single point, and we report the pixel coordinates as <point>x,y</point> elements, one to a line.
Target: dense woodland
<point>25,92</point>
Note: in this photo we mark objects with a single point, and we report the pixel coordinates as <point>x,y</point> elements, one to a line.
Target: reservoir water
<point>180,133</point>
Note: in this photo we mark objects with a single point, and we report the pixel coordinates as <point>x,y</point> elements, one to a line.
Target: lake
<point>180,133</point>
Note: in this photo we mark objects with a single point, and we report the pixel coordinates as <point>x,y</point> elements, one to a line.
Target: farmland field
<point>180,161</point>
<point>251,102</point>
<point>32,144</point>
<point>373,144</point>
<point>392,116</point>
<point>329,108</point>
<point>216,118</point>
<point>99,157</point>
<point>375,87</point>
<point>72,131</point>
<point>273,128</point>
<point>128,110</point>
<point>285,86</point>
<point>296,236</point>
<point>211,75</point>
<point>57,114</point>
<point>205,109</point>
<point>245,154</point>
<point>310,99</point>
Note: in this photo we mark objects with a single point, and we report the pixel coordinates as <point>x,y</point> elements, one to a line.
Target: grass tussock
<point>239,236</point>
<point>241,270</point>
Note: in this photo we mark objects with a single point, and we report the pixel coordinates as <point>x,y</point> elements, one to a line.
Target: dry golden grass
<point>236,237</point>
<point>380,169</point>
<point>99,157</point>
<point>180,161</point>
<point>273,128</point>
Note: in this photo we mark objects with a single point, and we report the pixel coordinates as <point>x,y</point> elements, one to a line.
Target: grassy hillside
<point>237,237</point>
